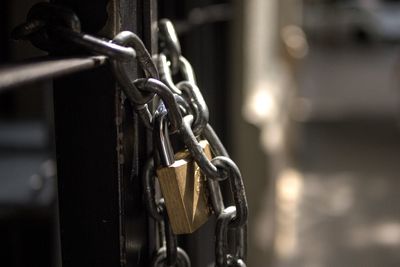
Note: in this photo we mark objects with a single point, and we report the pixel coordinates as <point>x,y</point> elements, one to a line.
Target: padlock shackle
<point>162,143</point>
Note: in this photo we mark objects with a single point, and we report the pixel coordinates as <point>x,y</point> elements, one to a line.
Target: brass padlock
<point>184,188</point>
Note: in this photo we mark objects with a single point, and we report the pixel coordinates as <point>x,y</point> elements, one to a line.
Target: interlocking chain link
<point>181,109</point>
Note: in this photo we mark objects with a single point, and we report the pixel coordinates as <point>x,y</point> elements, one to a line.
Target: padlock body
<point>184,189</point>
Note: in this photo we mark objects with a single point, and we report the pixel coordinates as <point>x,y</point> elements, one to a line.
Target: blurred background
<point>306,95</point>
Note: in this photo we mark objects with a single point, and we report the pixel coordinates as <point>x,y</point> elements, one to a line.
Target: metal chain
<point>194,126</point>
<point>181,110</point>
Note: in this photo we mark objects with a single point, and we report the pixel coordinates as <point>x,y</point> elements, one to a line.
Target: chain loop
<point>222,255</point>
<point>197,152</point>
<point>239,195</point>
<point>195,99</point>
<point>169,43</point>
<point>186,70</point>
<point>165,73</point>
<point>122,70</point>
<point>161,257</point>
<point>127,38</point>
<point>153,208</point>
<point>221,233</point>
<point>157,87</point>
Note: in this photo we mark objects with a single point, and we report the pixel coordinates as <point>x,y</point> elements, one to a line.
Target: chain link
<point>169,43</point>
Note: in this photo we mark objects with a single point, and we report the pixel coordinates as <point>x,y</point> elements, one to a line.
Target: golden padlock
<point>184,189</point>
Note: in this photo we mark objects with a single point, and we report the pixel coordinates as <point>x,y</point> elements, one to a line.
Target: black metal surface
<point>4,20</point>
<point>24,73</point>
<point>86,141</point>
<point>101,148</point>
<point>24,229</point>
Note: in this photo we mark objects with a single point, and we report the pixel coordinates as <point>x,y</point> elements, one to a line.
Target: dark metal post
<point>101,147</point>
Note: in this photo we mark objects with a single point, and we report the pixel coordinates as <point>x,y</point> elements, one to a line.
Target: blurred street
<point>343,81</point>
<point>344,211</point>
<point>346,214</point>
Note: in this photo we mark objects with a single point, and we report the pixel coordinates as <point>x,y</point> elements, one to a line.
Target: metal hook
<point>127,38</point>
<point>122,69</point>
